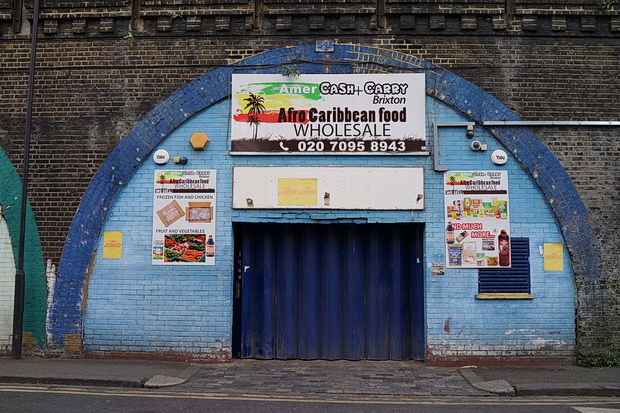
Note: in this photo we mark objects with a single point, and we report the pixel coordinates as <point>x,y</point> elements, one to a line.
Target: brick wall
<point>186,312</point>
<point>554,61</point>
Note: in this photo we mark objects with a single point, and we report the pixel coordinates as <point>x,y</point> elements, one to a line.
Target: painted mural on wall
<point>477,219</point>
<point>323,114</point>
<point>184,217</point>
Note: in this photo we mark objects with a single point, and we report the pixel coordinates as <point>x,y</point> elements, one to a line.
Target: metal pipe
<point>550,123</point>
<point>20,279</point>
<point>18,5</point>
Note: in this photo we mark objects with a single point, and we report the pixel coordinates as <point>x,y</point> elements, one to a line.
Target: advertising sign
<point>112,244</point>
<point>184,217</point>
<point>477,224</point>
<point>554,257</point>
<point>328,187</point>
<point>328,114</point>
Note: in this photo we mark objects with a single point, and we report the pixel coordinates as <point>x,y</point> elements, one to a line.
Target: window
<point>508,283</point>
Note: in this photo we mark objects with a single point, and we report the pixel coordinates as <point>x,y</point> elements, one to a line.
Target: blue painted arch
<point>545,169</point>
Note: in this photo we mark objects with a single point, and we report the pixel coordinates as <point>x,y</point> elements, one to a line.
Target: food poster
<point>477,220</point>
<point>184,217</point>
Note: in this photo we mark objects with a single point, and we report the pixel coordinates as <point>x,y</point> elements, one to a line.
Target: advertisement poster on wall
<point>477,220</point>
<point>328,114</point>
<point>184,217</point>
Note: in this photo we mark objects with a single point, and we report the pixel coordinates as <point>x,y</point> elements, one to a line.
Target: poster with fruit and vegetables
<point>477,221</point>
<point>184,217</point>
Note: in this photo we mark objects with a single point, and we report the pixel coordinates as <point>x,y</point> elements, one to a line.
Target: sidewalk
<point>553,381</point>
<point>396,378</point>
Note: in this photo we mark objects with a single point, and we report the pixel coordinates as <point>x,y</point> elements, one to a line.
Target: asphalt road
<point>67,399</point>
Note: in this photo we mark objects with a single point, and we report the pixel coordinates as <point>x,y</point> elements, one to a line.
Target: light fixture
<point>470,131</point>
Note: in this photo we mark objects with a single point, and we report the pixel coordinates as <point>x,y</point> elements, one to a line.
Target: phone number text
<point>351,146</point>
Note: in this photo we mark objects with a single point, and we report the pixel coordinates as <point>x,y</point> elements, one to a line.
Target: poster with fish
<point>184,217</point>
<point>328,114</point>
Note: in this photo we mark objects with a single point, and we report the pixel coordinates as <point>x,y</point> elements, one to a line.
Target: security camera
<point>475,145</point>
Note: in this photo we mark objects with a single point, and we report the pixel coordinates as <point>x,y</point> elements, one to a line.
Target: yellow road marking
<point>333,399</point>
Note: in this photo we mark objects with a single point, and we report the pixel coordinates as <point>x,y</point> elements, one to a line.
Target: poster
<point>184,217</point>
<point>297,192</point>
<point>112,244</point>
<point>477,219</point>
<point>554,256</point>
<point>328,114</point>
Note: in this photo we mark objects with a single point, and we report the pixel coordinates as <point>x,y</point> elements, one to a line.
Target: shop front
<point>347,212</point>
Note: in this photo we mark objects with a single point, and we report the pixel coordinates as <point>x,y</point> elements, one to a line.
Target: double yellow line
<point>312,398</point>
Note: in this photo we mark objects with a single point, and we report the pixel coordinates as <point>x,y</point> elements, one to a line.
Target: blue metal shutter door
<point>331,292</point>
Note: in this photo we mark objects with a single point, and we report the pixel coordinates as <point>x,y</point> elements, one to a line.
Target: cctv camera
<point>475,145</point>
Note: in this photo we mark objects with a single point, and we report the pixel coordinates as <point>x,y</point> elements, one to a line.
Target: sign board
<point>328,114</point>
<point>477,220</point>
<point>184,217</point>
<point>373,188</point>
<point>553,257</point>
<point>112,244</point>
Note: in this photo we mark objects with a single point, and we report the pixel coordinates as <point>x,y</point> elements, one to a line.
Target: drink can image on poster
<point>184,217</point>
<point>477,219</point>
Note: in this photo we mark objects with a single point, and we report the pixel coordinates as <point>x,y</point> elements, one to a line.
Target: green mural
<point>35,302</point>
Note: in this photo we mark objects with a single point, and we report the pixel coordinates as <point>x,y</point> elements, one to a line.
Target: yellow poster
<point>306,191</point>
<point>287,191</point>
<point>112,244</point>
<point>554,257</point>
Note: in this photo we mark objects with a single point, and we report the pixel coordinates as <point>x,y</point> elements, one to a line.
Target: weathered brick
<point>92,90</point>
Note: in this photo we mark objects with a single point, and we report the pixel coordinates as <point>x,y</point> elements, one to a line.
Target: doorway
<point>337,291</point>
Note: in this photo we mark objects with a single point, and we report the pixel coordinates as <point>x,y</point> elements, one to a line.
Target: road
<point>67,399</point>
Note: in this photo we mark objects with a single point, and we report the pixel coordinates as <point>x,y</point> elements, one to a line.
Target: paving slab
<point>397,378</point>
<point>555,380</point>
<point>96,372</point>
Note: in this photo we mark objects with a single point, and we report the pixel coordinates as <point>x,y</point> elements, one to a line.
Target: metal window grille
<point>515,279</point>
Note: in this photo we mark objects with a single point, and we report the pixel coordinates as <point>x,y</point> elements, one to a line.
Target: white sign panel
<point>328,114</point>
<point>477,225</point>
<point>328,188</point>
<point>184,217</point>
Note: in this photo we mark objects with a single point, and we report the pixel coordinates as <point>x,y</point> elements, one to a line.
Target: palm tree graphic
<point>162,178</point>
<point>256,107</point>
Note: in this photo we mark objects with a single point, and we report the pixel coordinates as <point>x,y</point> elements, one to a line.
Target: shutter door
<point>330,292</point>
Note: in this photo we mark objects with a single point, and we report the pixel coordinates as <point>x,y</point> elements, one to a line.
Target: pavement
<point>364,378</point>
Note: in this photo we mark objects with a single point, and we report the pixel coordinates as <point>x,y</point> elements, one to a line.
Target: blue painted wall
<point>133,306</point>
<point>531,164</point>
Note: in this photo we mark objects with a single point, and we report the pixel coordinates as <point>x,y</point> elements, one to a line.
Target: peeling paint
<point>520,331</point>
<point>50,277</point>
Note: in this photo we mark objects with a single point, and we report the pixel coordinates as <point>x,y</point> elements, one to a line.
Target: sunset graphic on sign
<point>275,96</point>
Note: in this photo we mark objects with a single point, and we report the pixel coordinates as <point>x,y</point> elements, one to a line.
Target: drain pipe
<point>550,123</point>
